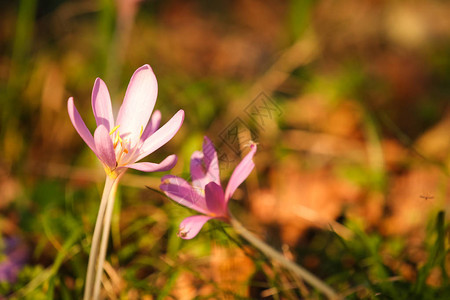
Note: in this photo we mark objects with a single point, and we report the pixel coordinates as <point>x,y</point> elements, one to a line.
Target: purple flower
<point>15,256</point>
<point>133,135</point>
<point>205,194</point>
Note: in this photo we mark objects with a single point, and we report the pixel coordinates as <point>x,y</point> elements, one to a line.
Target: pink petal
<point>215,200</point>
<point>191,226</point>
<point>205,165</point>
<point>101,105</point>
<point>105,147</point>
<point>162,135</point>
<point>138,103</point>
<point>180,191</point>
<point>198,170</point>
<point>240,173</point>
<point>152,126</point>
<point>168,163</point>
<point>79,125</point>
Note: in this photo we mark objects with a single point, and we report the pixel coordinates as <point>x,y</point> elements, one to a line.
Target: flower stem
<point>93,255</point>
<point>273,254</point>
<point>104,241</point>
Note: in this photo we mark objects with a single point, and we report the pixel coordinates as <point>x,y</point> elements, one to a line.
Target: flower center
<point>125,151</point>
<point>199,190</point>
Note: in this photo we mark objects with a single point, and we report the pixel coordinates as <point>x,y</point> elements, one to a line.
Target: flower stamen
<point>200,190</point>
<point>116,141</point>
<point>114,129</point>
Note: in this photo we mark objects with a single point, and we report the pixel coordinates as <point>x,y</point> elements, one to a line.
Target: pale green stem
<point>275,255</point>
<point>93,254</point>
<point>104,242</point>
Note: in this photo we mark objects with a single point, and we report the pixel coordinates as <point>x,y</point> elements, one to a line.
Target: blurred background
<point>348,101</point>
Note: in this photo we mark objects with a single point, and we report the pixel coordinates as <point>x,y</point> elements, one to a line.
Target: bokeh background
<point>349,102</point>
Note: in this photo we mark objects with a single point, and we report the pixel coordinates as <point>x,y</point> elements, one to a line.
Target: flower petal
<point>105,147</point>
<point>162,135</point>
<point>240,173</point>
<point>152,126</point>
<point>180,191</point>
<point>79,125</point>
<point>138,103</point>
<point>168,163</point>
<point>101,105</point>
<point>215,201</point>
<point>205,165</point>
<point>191,226</point>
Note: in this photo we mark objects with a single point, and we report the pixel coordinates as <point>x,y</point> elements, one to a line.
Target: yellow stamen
<point>114,129</point>
<point>116,140</point>
<point>202,191</point>
<point>142,131</point>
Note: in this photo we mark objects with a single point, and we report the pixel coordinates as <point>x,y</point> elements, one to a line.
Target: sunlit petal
<point>162,135</point>
<point>183,193</point>
<point>152,126</point>
<point>167,164</point>
<point>104,146</point>
<point>79,125</point>
<point>101,105</point>
<point>205,165</point>
<point>215,201</point>
<point>138,103</point>
<point>191,226</point>
<point>240,173</point>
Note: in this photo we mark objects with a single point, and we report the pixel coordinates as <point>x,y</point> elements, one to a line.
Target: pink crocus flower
<point>206,194</point>
<point>120,143</point>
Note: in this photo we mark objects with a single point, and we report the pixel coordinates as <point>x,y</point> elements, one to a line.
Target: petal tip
<point>143,68</point>
<point>184,234</point>
<point>98,81</point>
<point>173,158</point>
<point>70,102</point>
<point>181,115</point>
<point>191,226</point>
